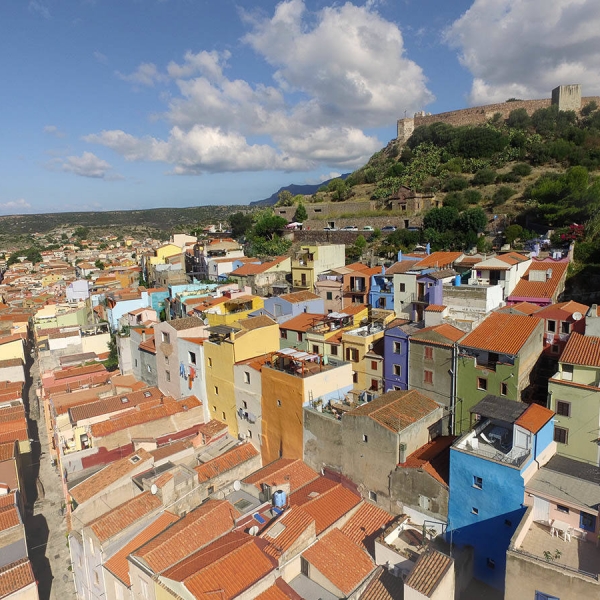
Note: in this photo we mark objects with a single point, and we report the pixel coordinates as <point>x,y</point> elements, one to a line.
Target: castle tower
<point>567,97</point>
<point>405,129</point>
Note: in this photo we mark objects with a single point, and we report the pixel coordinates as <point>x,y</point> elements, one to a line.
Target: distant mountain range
<point>294,189</point>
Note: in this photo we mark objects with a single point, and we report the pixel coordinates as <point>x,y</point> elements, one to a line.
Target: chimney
<point>548,274</point>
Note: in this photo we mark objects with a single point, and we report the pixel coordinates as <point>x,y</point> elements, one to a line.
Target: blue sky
<point>119,104</point>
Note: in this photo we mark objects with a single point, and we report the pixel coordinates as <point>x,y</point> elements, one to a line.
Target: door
<point>541,510</point>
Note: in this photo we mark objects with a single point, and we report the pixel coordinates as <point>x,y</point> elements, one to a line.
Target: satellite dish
<point>153,489</point>
<point>237,486</point>
<point>577,316</point>
<point>253,530</point>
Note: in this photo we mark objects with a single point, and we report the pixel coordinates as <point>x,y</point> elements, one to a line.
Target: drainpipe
<point>453,386</point>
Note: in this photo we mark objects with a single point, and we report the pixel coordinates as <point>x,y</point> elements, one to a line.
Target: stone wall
<point>325,209</point>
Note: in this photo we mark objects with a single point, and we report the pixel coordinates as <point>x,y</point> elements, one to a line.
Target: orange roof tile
<point>502,333</point>
<point>149,345</point>
<point>396,410</point>
<point>286,530</point>
<point>254,268</point>
<point>280,590</point>
<point>443,334</point>
<point>438,259</point>
<point>284,470</point>
<point>118,564</point>
<point>78,371</point>
<point>163,480</point>
<point>534,417</point>
<point>563,311</point>
<point>7,451</point>
<point>340,561</point>
<point>9,516</point>
<point>199,527</point>
<point>582,350</point>
<point>15,576</point>
<point>433,458</point>
<point>384,586</point>
<point>302,322</point>
<point>110,474</point>
<point>436,308</point>
<point>428,572</point>
<point>170,449</point>
<point>226,461</point>
<point>527,288</point>
<point>124,515</point>
<point>120,402</point>
<point>365,524</point>
<point>301,296</point>
<point>525,308</point>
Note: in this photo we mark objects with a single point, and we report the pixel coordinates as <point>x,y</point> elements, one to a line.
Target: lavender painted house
<point>395,354</point>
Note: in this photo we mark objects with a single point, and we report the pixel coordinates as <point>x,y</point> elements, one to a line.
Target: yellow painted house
<point>161,253</point>
<point>233,309</point>
<point>11,346</point>
<point>227,345</point>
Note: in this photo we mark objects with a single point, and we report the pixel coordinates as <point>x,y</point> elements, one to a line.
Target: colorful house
<point>310,261</point>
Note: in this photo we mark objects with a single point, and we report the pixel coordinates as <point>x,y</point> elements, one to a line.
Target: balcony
<point>366,330</point>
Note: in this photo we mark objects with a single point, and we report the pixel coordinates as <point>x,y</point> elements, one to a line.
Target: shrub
<point>518,119</point>
<point>484,177</point>
<point>502,194</point>
<point>522,169</point>
<point>456,184</point>
<point>472,196</point>
<point>456,200</point>
<point>509,177</point>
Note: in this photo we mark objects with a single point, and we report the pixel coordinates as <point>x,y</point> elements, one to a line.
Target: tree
<point>300,215</point>
<point>239,223</point>
<point>338,189</point>
<point>285,198</point>
<point>81,232</point>
<point>502,194</point>
<point>112,362</point>
<point>513,233</point>
<point>518,119</point>
<point>484,177</point>
<point>473,219</point>
<point>441,219</point>
<point>99,265</point>
<point>268,225</point>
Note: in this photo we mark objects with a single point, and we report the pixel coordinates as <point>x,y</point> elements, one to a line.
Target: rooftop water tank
<point>457,280</point>
<point>279,499</point>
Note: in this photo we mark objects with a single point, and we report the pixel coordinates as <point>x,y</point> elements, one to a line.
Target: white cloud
<point>15,205</point>
<point>336,72</point>
<point>54,130</point>
<point>146,74</point>
<point>39,8</point>
<point>86,165</point>
<point>101,58</point>
<point>518,48</point>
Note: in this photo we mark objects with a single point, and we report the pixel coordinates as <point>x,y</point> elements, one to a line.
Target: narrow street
<point>45,523</point>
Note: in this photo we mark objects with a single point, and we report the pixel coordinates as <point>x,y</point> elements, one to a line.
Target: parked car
<point>350,228</point>
<point>330,229</point>
<point>388,229</point>
<point>368,228</point>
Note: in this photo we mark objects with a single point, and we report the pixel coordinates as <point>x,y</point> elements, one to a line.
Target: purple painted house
<point>395,354</point>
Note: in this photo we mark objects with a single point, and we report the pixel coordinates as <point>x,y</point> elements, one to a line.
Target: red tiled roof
<point>562,311</point>
<point>15,576</point>
<point>396,410</point>
<point>448,334</point>
<point>284,470</point>
<point>116,403</point>
<point>436,308</point>
<point>226,461</point>
<point>438,259</point>
<point>301,296</point>
<point>428,572</point>
<point>525,308</point>
<point>582,350</point>
<point>111,473</point>
<point>78,371</point>
<point>365,524</point>
<point>502,333</point>
<point>280,590</point>
<point>433,458</point>
<point>9,515</point>
<point>512,258</point>
<point>286,530</point>
<point>534,417</point>
<point>170,449</point>
<point>124,515</point>
<point>540,289</point>
<point>402,267</point>
<point>118,564</point>
<point>340,561</point>
<point>254,268</point>
<point>384,586</point>
<point>7,451</point>
<point>198,528</point>
<point>302,322</point>
<point>149,345</point>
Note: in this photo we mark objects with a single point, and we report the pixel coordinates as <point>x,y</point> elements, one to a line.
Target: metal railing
<point>553,563</point>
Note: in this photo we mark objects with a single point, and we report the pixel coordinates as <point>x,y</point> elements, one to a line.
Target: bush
<point>522,169</point>
<point>472,196</point>
<point>518,119</point>
<point>456,184</point>
<point>484,177</point>
<point>502,194</point>
<point>509,177</point>
<point>456,200</point>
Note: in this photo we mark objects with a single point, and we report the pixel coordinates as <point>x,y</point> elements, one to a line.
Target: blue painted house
<point>381,294</point>
<point>489,468</point>
<point>395,354</point>
<point>287,306</point>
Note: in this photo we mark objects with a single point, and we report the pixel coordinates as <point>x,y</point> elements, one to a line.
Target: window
<point>503,389</point>
<point>587,522</point>
<point>96,578</point>
<point>210,362</point>
<point>424,502</point>
<point>118,591</point>
<point>315,349</point>
<point>283,334</point>
<point>398,370</point>
<point>224,416</point>
<point>491,563</point>
<point>374,385</point>
<point>144,586</point>
<point>136,362</point>
<point>244,404</point>
<point>562,509</point>
<point>249,434</point>
<point>428,353</point>
<point>278,402</point>
<point>555,348</point>
<point>396,347</point>
<point>565,327</point>
<point>561,435</point>
<point>214,408</point>
<point>373,496</point>
<point>329,295</point>
<point>211,489</point>
<point>246,377</point>
<point>563,408</point>
<point>428,377</point>
<point>149,368</point>
<point>567,372</point>
<point>542,596</point>
<point>475,510</point>
<point>365,438</point>
<point>166,360</point>
<point>402,287</point>
<point>334,350</point>
<point>477,482</point>
<point>192,358</point>
<point>304,566</point>
<point>352,354</point>
<point>354,377</point>
<point>551,326</point>
<point>397,388</point>
<point>373,365</point>
<point>165,337</point>
<point>168,375</point>
<point>481,383</point>
<point>299,336</point>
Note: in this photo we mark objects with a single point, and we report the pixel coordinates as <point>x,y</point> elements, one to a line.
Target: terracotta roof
<point>280,590</point>
<point>366,524</point>
<point>527,288</point>
<point>9,515</point>
<point>301,296</point>
<point>78,371</point>
<point>512,258</point>
<point>524,308</point>
<point>562,310</point>
<point>16,576</point>
<point>286,530</point>
<point>7,451</point>
<point>444,334</point>
<point>502,333</point>
<point>163,479</point>
<point>149,345</point>
<point>582,350</point>
<point>231,564</point>
<point>435,308</point>
<point>256,322</point>
<point>438,259</point>
<point>325,501</point>
<point>384,586</point>
<point>118,564</point>
<point>186,323</point>
<point>199,527</point>
<point>401,267</point>
<point>253,268</point>
<point>124,515</point>
<point>226,461</point>
<point>340,561</point>
<point>396,410</point>
<point>433,458</point>
<point>302,322</point>
<point>441,274</point>
<point>108,475</point>
<point>428,571</point>
<point>106,406</point>
<point>284,470</point>
<point>170,449</point>
<point>534,418</point>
